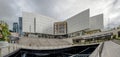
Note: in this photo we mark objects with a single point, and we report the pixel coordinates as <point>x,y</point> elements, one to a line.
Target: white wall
<point>96,22</point>
<point>78,22</point>
<point>43,24</point>
<point>28,22</point>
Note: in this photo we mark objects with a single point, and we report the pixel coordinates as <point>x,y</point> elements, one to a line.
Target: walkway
<point>110,49</point>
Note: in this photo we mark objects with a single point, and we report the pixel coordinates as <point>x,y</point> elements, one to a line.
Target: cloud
<point>112,15</point>
<point>61,9</point>
<point>8,11</point>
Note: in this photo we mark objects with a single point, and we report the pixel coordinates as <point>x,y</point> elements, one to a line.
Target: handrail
<point>101,49</point>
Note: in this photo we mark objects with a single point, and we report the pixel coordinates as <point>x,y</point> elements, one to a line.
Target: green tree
<point>4,31</point>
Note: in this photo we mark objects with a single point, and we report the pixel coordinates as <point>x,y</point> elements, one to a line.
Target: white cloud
<point>61,9</point>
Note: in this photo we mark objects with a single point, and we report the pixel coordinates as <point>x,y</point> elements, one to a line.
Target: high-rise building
<point>20,26</point>
<point>15,27</point>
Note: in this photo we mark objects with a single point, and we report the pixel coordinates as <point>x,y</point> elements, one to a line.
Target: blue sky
<point>10,10</point>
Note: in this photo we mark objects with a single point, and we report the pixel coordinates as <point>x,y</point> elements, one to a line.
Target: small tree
<point>4,31</point>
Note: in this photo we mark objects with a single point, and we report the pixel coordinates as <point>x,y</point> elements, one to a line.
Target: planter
<point>3,44</point>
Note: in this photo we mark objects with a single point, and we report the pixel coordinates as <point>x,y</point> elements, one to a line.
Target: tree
<point>4,31</point>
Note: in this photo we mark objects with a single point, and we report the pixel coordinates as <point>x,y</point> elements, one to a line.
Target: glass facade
<point>20,26</point>
<point>15,27</point>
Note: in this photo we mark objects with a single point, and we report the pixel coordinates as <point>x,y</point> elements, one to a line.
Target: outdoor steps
<point>42,42</point>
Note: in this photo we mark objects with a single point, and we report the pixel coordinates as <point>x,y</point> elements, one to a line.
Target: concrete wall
<point>96,22</point>
<point>78,22</point>
<point>42,24</point>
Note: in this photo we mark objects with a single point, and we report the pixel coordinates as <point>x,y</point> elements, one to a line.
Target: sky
<point>10,10</point>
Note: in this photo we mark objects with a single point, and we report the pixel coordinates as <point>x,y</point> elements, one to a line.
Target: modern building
<point>76,25</point>
<point>38,24</point>
<point>20,26</point>
<point>60,28</point>
<point>15,27</point>
<point>81,23</point>
<point>96,22</point>
<point>78,22</point>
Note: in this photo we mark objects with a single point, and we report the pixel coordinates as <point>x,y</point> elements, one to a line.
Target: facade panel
<point>96,22</point>
<point>78,22</point>
<point>35,23</point>
<point>28,22</point>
